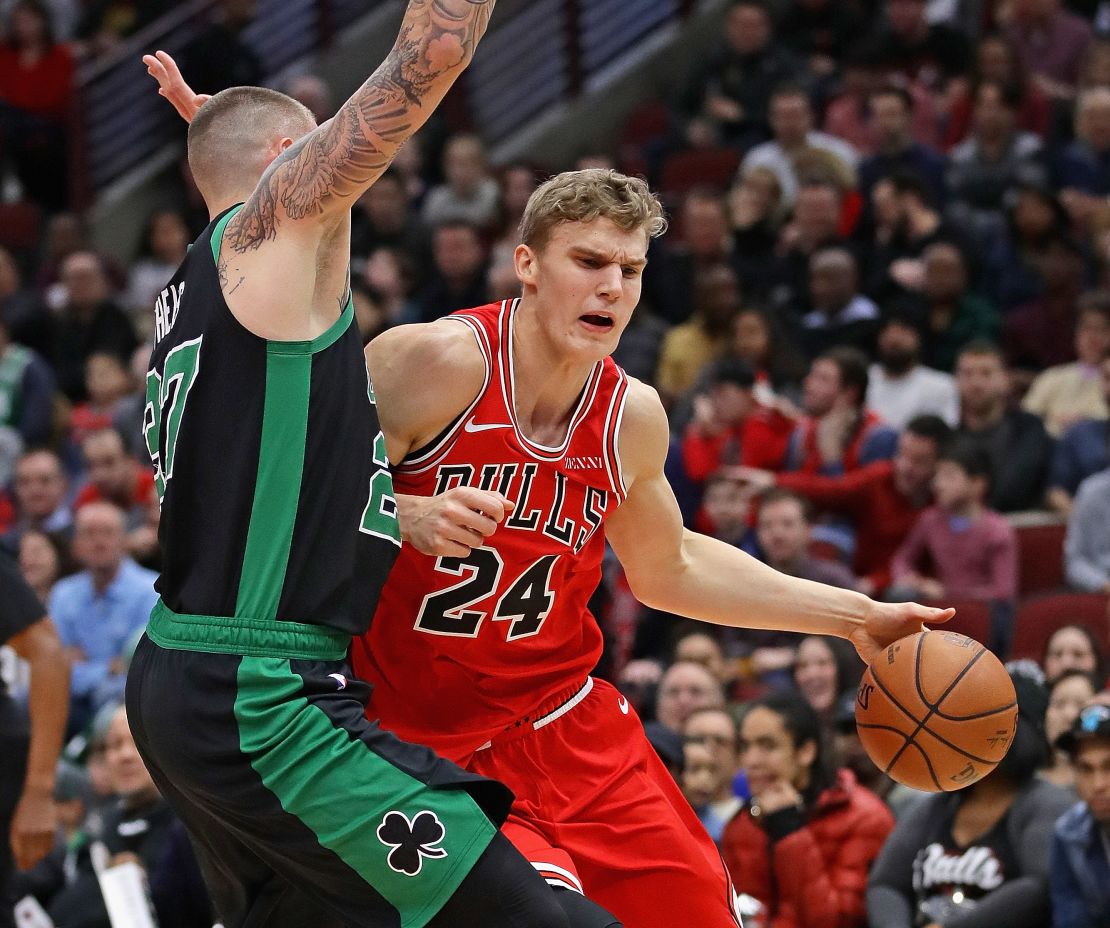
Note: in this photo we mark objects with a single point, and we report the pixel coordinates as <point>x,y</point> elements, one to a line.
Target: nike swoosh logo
<point>340,680</point>
<point>623,703</point>
<point>471,427</point>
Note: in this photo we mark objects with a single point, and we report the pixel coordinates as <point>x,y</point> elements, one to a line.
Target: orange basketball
<point>936,711</point>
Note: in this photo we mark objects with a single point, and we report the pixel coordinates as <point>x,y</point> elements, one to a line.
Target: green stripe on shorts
<point>413,844</point>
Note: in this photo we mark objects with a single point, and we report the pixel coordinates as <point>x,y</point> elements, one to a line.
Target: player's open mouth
<point>602,322</point>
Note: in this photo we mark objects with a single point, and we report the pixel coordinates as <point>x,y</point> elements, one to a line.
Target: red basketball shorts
<point>597,812</point>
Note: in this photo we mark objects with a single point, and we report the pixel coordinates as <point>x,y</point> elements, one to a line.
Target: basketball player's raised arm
<point>320,176</point>
<point>680,571</point>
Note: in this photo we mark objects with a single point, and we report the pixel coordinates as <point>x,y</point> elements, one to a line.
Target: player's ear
<point>285,143</point>
<point>524,260</point>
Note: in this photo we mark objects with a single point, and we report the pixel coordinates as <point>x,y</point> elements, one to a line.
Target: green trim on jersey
<point>217,241</point>
<point>212,634</point>
<point>306,762</point>
<point>277,488</point>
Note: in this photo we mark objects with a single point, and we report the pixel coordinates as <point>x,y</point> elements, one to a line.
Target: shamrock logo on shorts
<point>411,841</point>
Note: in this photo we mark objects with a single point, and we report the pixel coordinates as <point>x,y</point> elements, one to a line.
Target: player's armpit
<point>325,172</point>
<point>424,376</point>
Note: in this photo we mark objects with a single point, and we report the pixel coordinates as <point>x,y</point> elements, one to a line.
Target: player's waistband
<point>217,634</point>
<point>549,711</point>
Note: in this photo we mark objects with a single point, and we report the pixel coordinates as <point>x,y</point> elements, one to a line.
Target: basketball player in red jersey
<point>515,441</point>
<point>518,447</point>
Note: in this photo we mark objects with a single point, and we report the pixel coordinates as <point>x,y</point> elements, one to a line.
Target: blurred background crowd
<point>880,323</point>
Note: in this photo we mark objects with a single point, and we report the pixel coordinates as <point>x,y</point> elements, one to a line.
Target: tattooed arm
<point>322,175</point>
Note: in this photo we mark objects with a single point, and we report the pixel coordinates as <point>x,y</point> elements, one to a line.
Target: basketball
<point>936,711</point>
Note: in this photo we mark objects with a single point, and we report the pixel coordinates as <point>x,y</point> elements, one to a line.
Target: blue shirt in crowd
<point>1082,450</point>
<point>101,624</point>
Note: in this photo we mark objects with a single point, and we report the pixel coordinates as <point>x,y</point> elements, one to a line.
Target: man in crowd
<point>1015,441</point>
<point>838,314</point>
<point>115,477</point>
<point>892,109</point>
<point>685,688</point>
<point>458,275</point>
<point>899,386</point>
<point>100,610</point>
<point>40,496</point>
<point>1087,544</point>
<point>839,434</point>
<point>785,533</point>
<point>1080,859</point>
<point>882,500</point>
<point>1081,452</point>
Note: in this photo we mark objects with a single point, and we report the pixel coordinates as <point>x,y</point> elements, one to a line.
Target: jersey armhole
<point>217,239</point>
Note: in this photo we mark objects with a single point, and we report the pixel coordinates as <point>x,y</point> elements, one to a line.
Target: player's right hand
<point>172,86</point>
<point>453,523</point>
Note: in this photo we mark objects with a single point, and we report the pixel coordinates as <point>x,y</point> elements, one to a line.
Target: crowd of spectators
<point>883,338</point>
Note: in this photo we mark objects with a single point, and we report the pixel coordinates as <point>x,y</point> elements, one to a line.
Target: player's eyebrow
<point>610,257</point>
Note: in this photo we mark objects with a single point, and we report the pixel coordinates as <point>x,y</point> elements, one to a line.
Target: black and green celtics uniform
<point>278,530</point>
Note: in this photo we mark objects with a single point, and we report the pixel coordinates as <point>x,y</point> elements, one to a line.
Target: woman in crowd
<point>977,857</point>
<point>42,561</point>
<point>804,843</point>
<point>824,670</point>
<point>1073,647</point>
<point>1068,692</point>
<point>164,243</point>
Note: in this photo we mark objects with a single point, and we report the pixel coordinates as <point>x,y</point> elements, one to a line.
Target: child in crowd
<point>971,550</point>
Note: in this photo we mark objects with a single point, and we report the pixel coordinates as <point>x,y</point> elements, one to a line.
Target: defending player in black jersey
<point>279,528</point>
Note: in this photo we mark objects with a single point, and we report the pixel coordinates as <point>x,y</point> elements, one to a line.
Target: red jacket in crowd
<point>760,441</point>
<point>816,875</point>
<point>881,515</point>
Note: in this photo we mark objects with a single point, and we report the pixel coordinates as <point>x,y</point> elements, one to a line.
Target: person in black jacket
<point>1014,441</point>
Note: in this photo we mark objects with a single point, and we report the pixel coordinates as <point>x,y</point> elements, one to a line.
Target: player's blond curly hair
<point>582,196</point>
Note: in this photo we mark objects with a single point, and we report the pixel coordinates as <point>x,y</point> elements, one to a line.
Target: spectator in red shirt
<point>883,499</point>
<point>972,549</point>
<point>838,434</point>
<point>802,847</point>
<point>107,381</point>
<point>730,427</point>
<point>36,84</point>
<point>115,477</point>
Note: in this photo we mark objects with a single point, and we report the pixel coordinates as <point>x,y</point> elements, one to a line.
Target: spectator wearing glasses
<point>710,736</point>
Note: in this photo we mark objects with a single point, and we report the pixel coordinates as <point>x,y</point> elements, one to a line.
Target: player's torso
<point>276,495</point>
<point>462,647</point>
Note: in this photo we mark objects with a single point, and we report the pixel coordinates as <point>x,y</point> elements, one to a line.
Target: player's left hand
<point>33,828</point>
<point>884,623</point>
<point>453,523</point>
<point>172,86</point>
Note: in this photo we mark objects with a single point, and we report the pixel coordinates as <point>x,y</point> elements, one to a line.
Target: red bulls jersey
<point>461,648</point>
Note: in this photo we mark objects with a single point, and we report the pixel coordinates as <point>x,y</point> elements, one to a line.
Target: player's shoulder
<point>644,430</point>
<point>427,349</point>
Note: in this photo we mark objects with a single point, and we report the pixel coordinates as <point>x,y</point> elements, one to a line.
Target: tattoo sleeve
<point>328,169</point>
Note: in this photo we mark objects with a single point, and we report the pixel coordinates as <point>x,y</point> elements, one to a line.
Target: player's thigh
<point>278,755</point>
<point>644,856</point>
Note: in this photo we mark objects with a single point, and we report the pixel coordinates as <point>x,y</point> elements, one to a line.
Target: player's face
<point>1068,697</point>
<point>1092,777</point>
<point>587,278</point>
<point>767,752</point>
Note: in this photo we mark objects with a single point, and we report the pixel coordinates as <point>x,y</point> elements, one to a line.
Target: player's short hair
<point>583,196</point>
<point>230,131</point>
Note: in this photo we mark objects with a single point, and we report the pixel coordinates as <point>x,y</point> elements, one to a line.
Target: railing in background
<point>540,53</point>
<point>120,123</point>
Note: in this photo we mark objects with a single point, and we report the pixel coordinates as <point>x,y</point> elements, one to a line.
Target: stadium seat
<point>700,167</point>
<point>1040,558</point>
<point>1040,617</point>
<point>20,225</point>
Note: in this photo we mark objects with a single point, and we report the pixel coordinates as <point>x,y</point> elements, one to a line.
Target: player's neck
<point>224,201</point>
<point>548,382</point>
